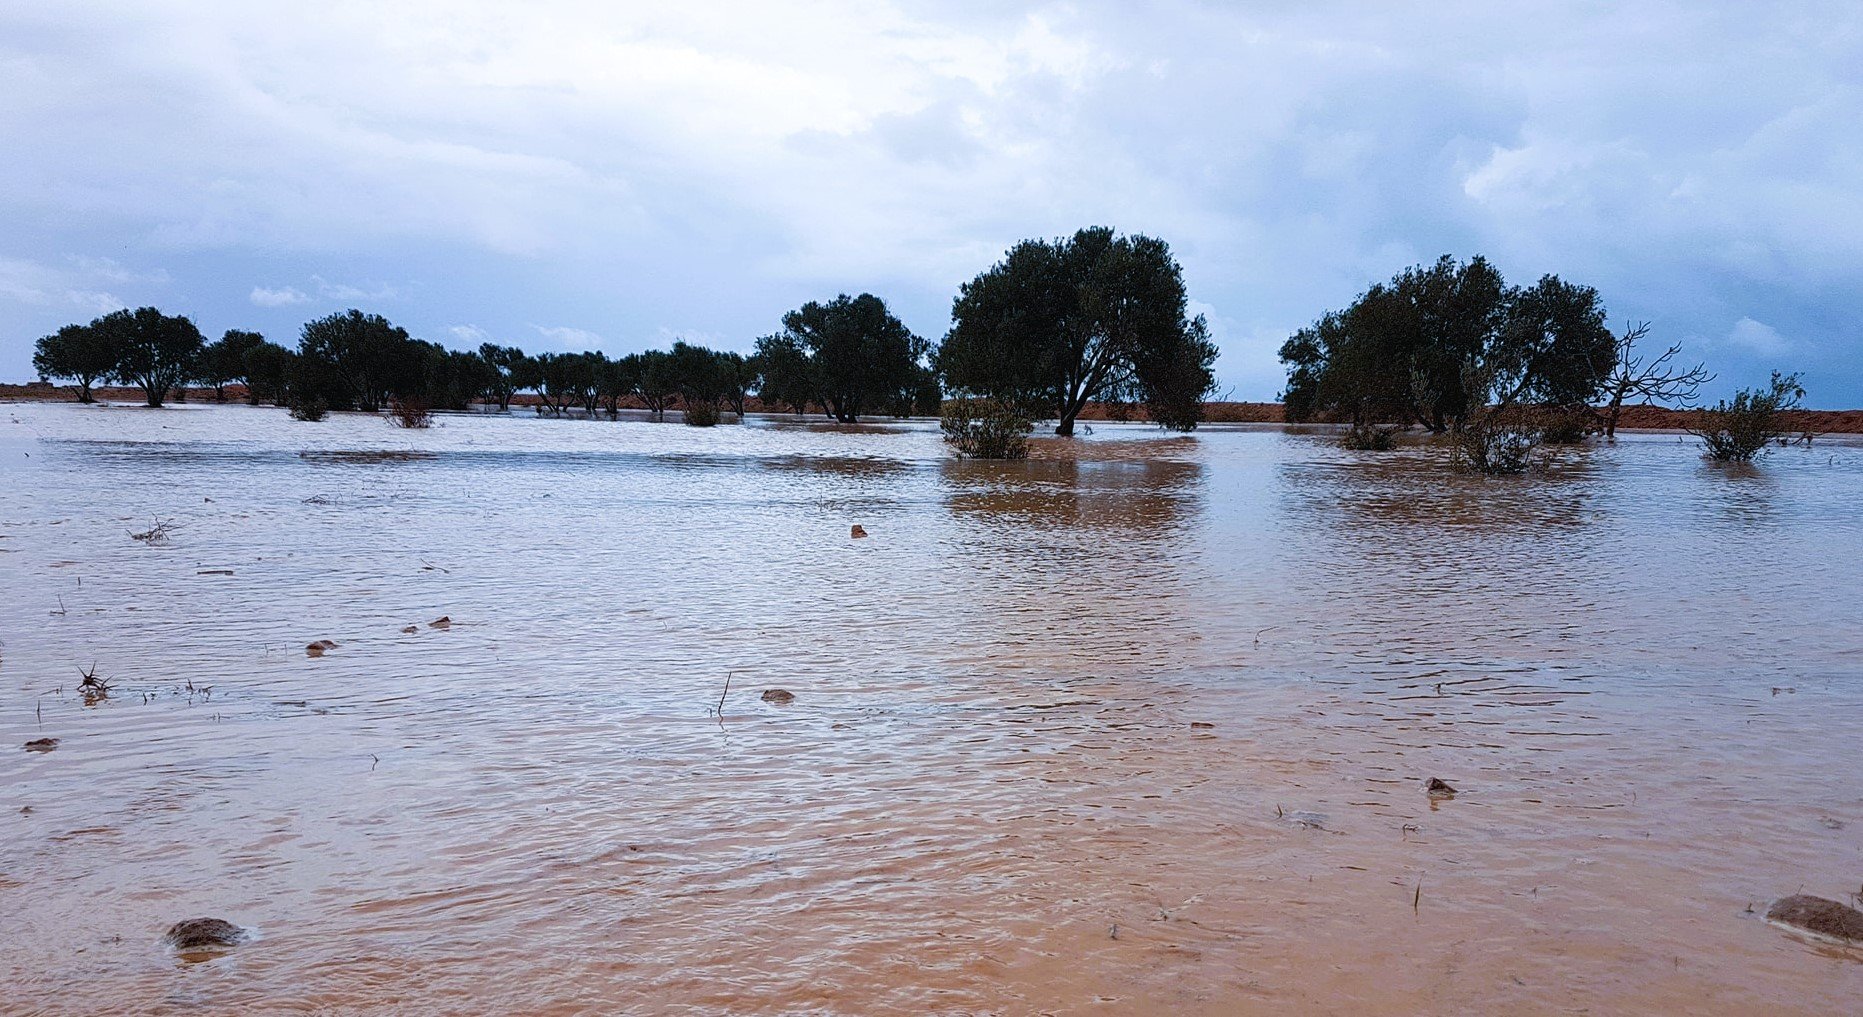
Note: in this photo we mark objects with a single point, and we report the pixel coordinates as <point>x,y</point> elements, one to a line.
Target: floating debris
<point>1202,725</point>
<point>778,696</point>
<point>157,533</point>
<point>214,572</point>
<point>1438,788</point>
<point>42,745</point>
<point>442,622</point>
<point>1304,820</point>
<point>408,630</point>
<point>320,647</point>
<point>858,532</point>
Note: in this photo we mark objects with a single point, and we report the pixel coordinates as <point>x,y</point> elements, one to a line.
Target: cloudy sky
<point>613,175</point>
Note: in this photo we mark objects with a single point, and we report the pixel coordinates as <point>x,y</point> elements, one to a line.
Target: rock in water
<point>442,622</point>
<point>778,696</point>
<point>319,648</point>
<point>858,531</point>
<point>204,934</point>
<point>42,745</point>
<point>1439,788</point>
<point>1826,919</point>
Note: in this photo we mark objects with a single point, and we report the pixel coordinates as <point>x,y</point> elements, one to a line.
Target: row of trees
<point>1096,317</point>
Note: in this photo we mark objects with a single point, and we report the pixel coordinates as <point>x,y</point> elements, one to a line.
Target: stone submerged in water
<point>778,696</point>
<point>1439,788</point>
<point>1826,919</point>
<point>204,934</point>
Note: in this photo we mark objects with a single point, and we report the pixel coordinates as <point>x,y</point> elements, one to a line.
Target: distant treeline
<point>1056,325</point>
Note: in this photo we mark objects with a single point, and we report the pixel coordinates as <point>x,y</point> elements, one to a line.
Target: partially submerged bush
<point>410,411</point>
<point>307,407</point>
<point>701,413</point>
<point>1736,430</point>
<point>1498,444</point>
<point>1369,438</point>
<point>985,429</point>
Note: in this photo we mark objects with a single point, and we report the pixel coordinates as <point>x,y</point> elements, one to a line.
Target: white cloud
<point>77,286</point>
<point>1759,338</point>
<point>573,339</point>
<point>344,292</point>
<point>284,296</point>
<point>470,335</point>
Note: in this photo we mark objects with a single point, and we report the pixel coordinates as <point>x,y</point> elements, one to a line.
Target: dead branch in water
<point>721,696</point>
<point>157,533</point>
<point>93,688</point>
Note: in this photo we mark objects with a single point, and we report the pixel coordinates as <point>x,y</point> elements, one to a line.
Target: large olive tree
<point>1095,317</point>
<point>156,351</point>
<point>852,352</point>
<point>84,354</point>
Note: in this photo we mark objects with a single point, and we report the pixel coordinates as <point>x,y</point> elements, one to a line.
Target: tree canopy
<point>1093,317</point>
<point>155,351</point>
<point>86,354</point>
<point>851,355</point>
<point>370,358</point>
<point>1442,342</point>
<point>223,362</point>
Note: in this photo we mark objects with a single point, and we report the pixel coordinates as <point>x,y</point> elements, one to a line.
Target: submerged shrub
<point>1736,430</point>
<point>310,408</point>
<point>701,413</point>
<point>985,429</point>
<point>1368,438</point>
<point>1499,444</point>
<point>410,411</point>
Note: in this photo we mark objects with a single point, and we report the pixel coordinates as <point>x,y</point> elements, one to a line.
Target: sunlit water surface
<point>994,790</point>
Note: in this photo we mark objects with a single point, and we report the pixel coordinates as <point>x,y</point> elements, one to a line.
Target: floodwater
<point>1139,726</point>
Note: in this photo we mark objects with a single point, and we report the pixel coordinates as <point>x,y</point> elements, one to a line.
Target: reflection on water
<point>988,795</point>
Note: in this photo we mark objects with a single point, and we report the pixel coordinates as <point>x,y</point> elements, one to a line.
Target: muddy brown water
<point>1050,721</point>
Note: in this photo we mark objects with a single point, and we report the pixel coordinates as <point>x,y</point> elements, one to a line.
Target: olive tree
<point>370,358</point>
<point>156,352</point>
<point>1449,346</point>
<point>1093,317</point>
<point>84,354</point>
<point>858,355</point>
<point>223,362</point>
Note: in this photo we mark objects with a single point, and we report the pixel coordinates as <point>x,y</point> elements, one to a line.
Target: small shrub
<point>985,429</point>
<point>1496,446</point>
<point>1369,438</point>
<point>311,408</point>
<point>1738,429</point>
<point>701,413</point>
<point>409,411</point>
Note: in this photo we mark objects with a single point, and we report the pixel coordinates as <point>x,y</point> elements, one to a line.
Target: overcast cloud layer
<point>564,175</point>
